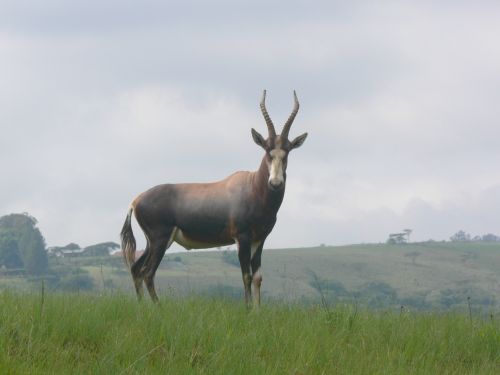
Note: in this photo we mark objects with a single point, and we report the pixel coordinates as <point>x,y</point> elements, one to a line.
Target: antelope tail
<point>128,240</point>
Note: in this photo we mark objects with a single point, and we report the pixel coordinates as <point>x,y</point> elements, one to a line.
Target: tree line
<point>462,236</point>
<point>23,249</point>
<point>403,237</point>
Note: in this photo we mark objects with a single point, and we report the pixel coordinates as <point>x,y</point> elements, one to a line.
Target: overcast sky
<point>101,100</point>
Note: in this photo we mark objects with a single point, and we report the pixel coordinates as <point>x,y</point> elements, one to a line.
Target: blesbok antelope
<point>240,209</point>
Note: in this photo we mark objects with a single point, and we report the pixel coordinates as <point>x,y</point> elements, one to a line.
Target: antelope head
<point>277,147</point>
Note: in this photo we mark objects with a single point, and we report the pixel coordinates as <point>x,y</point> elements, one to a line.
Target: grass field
<point>114,334</point>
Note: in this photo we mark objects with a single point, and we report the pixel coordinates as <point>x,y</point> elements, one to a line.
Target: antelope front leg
<point>256,275</point>
<point>244,257</point>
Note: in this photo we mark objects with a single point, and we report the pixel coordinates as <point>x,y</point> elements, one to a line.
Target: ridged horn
<point>270,126</point>
<point>288,124</point>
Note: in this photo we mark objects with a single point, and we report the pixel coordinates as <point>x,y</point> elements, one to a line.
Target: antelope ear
<point>297,142</point>
<point>258,139</point>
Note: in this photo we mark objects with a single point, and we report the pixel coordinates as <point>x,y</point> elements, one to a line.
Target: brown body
<point>240,209</point>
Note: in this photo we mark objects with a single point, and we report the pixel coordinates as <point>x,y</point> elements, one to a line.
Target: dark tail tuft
<point>128,240</point>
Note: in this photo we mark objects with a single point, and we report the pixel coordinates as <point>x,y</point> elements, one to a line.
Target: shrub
<point>75,283</point>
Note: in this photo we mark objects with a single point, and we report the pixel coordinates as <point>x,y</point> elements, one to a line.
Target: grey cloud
<point>101,101</point>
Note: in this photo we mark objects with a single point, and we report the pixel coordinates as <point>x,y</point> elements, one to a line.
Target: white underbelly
<point>189,243</point>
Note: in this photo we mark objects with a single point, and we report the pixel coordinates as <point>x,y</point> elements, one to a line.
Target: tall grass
<point>113,334</point>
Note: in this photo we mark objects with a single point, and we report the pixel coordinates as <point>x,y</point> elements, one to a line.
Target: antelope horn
<point>270,126</point>
<point>288,124</point>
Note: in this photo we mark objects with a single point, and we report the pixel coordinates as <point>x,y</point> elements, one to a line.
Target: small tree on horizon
<point>396,238</point>
<point>408,232</point>
<point>460,236</point>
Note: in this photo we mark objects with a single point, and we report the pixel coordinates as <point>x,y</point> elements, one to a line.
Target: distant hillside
<point>427,275</point>
<point>421,275</point>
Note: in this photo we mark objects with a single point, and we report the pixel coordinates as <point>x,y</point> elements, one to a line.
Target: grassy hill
<point>421,275</point>
<point>113,334</point>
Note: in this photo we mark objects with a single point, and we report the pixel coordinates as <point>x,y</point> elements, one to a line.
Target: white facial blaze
<point>276,176</point>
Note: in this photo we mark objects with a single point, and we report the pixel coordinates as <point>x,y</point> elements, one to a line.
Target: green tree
<point>71,246</point>
<point>75,283</point>
<point>377,294</point>
<point>408,232</point>
<point>396,238</point>
<point>29,240</point>
<point>9,253</point>
<point>460,236</point>
<point>100,249</point>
